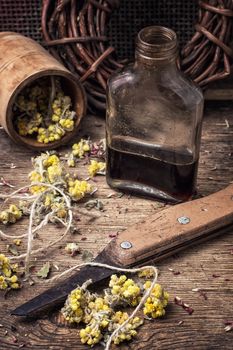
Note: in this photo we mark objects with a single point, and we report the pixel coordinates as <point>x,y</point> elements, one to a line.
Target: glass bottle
<point>153,123</point>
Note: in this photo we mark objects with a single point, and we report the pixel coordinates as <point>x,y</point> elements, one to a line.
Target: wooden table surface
<point>208,266</point>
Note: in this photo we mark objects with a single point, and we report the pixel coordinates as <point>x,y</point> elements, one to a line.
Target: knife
<point>156,237</point>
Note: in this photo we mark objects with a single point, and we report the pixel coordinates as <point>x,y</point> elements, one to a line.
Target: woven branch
<point>208,57</point>
<point>76,34</point>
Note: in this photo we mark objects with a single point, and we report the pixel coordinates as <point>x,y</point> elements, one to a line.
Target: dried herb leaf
<point>94,203</point>
<point>44,271</point>
<point>11,248</point>
<point>87,255</point>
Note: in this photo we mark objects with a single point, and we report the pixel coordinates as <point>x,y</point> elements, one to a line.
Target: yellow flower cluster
<point>17,241</point>
<point>96,167</point>
<point>74,306</point>
<point>97,317</point>
<point>156,303</point>
<point>78,189</point>
<point>10,215</point>
<point>34,176</point>
<point>62,118</point>
<point>50,160</point>
<point>67,124</point>
<point>71,162</point>
<point>29,127</point>
<point>32,111</point>
<point>129,331</point>
<point>98,312</point>
<point>8,277</point>
<point>50,134</point>
<point>90,335</point>
<point>82,306</point>
<point>56,204</point>
<point>79,149</point>
<point>125,289</point>
<point>48,169</point>
<point>146,273</point>
<point>54,173</point>
<point>60,209</point>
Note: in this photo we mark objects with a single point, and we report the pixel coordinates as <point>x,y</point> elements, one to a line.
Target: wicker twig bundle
<point>75,31</point>
<point>208,57</point>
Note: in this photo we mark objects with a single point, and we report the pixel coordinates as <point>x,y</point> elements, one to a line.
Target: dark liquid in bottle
<point>167,175</point>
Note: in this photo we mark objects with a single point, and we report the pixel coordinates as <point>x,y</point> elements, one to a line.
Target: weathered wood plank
<point>204,329</point>
<point>220,91</point>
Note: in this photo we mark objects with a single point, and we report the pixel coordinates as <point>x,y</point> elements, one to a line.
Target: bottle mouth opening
<point>157,42</point>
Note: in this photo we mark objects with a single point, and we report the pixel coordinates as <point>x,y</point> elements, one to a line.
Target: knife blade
<point>56,296</point>
<point>158,236</point>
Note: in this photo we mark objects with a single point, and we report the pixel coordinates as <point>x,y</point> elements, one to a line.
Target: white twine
<point>30,233</point>
<point>30,252</point>
<point>41,225</point>
<point>4,235</point>
<point>13,194</point>
<point>134,270</point>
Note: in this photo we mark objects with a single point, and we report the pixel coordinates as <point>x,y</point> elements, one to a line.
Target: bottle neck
<point>152,64</point>
<point>156,47</point>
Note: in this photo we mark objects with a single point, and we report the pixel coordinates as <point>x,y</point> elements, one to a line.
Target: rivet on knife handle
<point>166,232</point>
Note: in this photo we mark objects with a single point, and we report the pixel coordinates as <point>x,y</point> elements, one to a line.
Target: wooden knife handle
<point>172,229</point>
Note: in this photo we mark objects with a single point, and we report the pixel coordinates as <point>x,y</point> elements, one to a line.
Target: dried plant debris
<point>186,307</point>
<point>72,249</point>
<point>94,204</point>
<point>87,256</point>
<point>5,183</point>
<point>42,111</point>
<point>98,149</point>
<point>201,293</point>
<point>228,325</point>
<point>49,169</point>
<point>175,272</point>
<point>12,248</point>
<point>10,215</point>
<point>51,193</point>
<point>85,148</point>
<point>103,313</point>
<point>44,271</point>
<point>113,234</point>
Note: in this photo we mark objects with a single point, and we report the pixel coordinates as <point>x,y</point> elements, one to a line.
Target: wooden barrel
<point>23,61</point>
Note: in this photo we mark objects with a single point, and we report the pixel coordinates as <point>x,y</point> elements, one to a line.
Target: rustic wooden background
<point>208,266</point>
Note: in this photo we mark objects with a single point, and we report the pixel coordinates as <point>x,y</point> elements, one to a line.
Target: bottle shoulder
<point>133,81</point>
<point>185,85</point>
<point>125,76</point>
